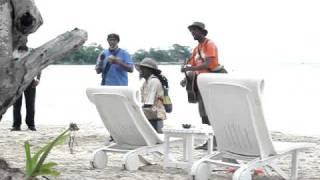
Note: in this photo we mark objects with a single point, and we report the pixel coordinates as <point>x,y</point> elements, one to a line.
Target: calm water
<point>291,96</point>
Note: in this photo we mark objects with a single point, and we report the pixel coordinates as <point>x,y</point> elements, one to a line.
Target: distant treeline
<point>88,55</point>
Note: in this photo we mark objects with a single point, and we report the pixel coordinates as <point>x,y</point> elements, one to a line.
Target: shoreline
<point>90,137</point>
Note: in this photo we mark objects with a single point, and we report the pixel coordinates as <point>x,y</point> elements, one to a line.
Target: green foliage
<point>88,54</point>
<point>180,52</point>
<point>140,54</point>
<point>84,55</point>
<point>177,53</point>
<point>35,165</point>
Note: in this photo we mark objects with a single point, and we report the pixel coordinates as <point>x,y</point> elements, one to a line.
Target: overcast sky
<point>253,30</point>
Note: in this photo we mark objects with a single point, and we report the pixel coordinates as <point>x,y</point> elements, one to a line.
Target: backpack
<point>166,99</point>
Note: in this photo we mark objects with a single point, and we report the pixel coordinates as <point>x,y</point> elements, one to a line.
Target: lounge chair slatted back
<point>234,108</point>
<point>237,119</point>
<point>122,115</point>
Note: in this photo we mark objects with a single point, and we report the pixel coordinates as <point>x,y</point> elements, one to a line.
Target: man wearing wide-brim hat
<point>204,59</point>
<point>200,26</point>
<point>152,93</point>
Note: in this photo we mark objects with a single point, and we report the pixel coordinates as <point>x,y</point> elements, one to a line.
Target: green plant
<point>35,165</point>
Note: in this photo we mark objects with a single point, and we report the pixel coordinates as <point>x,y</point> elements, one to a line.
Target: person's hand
<point>183,82</point>
<point>98,69</point>
<point>186,68</point>
<point>183,67</point>
<point>35,82</point>
<point>114,59</point>
<point>99,65</point>
<point>102,56</point>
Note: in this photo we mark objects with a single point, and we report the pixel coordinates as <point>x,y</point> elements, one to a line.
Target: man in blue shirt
<point>114,63</point>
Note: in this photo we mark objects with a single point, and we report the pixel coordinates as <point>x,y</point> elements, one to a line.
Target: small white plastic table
<point>203,132</point>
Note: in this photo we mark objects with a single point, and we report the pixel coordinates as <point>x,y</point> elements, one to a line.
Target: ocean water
<point>291,96</point>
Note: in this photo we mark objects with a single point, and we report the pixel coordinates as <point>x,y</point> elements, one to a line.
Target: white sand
<point>89,138</point>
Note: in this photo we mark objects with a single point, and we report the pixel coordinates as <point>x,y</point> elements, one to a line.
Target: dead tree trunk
<point>26,20</point>
<point>20,73</point>
<point>5,33</point>
<point>17,20</point>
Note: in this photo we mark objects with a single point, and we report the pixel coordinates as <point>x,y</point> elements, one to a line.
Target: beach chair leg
<point>294,165</point>
<point>166,159</point>
<point>279,171</point>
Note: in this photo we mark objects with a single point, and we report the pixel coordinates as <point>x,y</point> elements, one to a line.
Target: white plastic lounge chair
<point>235,112</point>
<point>123,117</point>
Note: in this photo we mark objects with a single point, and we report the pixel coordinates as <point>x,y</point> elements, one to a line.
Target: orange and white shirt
<point>204,50</point>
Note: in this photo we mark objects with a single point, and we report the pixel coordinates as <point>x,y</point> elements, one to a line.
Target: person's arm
<point>127,67</point>
<point>125,63</point>
<point>99,62</point>
<point>36,80</point>
<point>39,76</point>
<point>190,63</point>
<point>210,56</point>
<point>205,65</point>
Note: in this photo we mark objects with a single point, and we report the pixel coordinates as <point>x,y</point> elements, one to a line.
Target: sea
<point>291,96</point>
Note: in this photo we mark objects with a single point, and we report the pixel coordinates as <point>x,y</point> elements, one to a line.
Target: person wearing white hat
<point>152,93</point>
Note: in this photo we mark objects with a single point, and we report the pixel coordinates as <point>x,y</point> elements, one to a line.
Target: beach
<point>90,137</point>
<point>291,115</point>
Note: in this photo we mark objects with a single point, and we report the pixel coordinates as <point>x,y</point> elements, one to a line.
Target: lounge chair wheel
<point>99,160</point>
<point>203,172</point>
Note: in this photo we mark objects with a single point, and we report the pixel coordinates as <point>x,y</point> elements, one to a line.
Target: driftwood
<point>17,20</point>
<point>20,73</point>
<point>26,20</point>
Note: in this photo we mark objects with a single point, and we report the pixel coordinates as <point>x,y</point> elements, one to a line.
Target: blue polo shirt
<point>115,75</point>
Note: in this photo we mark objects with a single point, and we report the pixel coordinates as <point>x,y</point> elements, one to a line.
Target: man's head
<point>113,40</point>
<point>198,30</point>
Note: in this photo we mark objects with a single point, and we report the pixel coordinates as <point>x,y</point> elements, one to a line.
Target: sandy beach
<point>90,137</point>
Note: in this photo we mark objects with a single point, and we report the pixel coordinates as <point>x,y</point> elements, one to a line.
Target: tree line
<point>88,55</point>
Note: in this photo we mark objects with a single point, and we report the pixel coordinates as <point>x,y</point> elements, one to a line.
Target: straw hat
<point>148,63</point>
<point>199,25</point>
